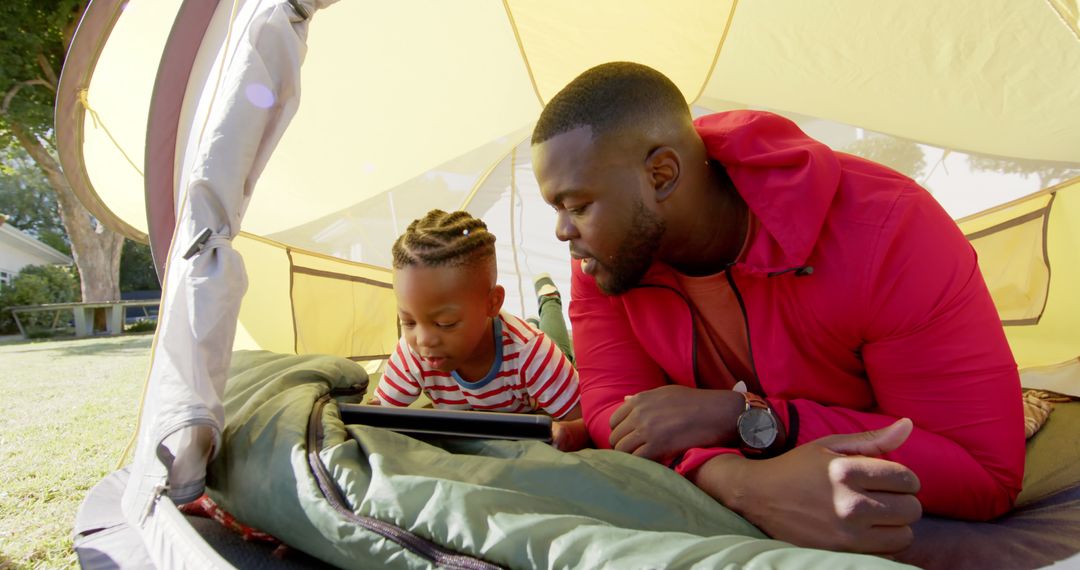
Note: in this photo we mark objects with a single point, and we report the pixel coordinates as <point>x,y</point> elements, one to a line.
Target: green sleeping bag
<point>361,497</point>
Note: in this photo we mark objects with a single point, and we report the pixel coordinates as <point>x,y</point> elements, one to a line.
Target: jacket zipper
<point>749,343</point>
<point>693,329</point>
<point>428,550</point>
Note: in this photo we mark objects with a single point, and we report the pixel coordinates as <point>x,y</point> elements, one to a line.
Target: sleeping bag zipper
<point>430,551</point>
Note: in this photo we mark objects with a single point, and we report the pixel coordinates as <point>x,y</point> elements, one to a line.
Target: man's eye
<point>577,210</point>
<point>407,324</point>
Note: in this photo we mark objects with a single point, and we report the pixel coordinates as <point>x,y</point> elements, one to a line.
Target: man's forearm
<point>831,493</point>
<point>721,478</point>
<point>968,474</point>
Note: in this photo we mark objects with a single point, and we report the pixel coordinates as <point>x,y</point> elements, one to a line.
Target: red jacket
<point>894,320</point>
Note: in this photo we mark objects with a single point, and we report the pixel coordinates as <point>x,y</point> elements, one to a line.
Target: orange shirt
<point>721,347</point>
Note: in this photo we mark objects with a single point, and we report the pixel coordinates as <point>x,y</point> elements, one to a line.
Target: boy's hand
<point>569,435</point>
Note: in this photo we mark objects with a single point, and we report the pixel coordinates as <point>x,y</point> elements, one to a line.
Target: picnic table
<point>84,314</point>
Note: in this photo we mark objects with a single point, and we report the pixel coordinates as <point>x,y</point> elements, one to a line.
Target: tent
<point>281,145</point>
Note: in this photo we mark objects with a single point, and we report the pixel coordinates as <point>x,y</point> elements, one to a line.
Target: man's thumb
<point>871,443</point>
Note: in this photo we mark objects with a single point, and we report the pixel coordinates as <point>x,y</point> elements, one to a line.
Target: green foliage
<point>56,239</point>
<point>36,285</point>
<point>1048,173</point>
<point>34,37</point>
<point>142,325</point>
<point>33,41</point>
<point>137,271</point>
<point>898,154</point>
<point>28,201</point>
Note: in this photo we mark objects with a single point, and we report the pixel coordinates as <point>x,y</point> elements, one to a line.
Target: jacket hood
<point>787,179</point>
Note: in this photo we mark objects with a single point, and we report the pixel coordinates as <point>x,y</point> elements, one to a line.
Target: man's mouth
<point>588,263</point>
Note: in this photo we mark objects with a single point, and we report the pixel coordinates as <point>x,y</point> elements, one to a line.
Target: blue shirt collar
<point>496,365</point>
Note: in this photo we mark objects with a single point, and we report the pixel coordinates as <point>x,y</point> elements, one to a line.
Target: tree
<point>137,271</point>
<point>36,285</point>
<point>29,202</point>
<point>898,154</point>
<point>1048,173</point>
<point>34,36</point>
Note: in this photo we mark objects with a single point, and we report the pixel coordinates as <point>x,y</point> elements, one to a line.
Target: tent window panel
<point>1014,263</point>
<point>343,315</point>
<point>375,331</point>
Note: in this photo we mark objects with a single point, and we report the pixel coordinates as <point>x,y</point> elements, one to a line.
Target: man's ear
<point>495,300</point>
<point>663,167</point>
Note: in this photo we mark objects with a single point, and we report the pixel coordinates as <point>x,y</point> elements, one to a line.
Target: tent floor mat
<point>104,541</point>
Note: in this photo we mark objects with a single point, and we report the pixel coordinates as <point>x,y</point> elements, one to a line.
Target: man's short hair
<point>608,98</point>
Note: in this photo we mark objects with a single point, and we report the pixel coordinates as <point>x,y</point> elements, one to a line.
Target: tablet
<point>457,423</point>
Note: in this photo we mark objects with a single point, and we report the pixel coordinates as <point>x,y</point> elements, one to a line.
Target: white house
<point>18,249</point>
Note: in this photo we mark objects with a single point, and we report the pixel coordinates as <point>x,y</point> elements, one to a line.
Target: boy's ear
<point>495,300</point>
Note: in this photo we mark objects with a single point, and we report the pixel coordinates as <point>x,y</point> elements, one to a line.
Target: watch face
<point>757,428</point>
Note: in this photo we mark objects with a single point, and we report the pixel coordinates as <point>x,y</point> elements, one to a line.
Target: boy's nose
<point>426,338</point>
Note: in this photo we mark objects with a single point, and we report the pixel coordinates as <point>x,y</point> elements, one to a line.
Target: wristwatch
<point>760,431</point>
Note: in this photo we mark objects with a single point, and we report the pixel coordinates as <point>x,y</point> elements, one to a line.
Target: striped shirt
<point>528,374</point>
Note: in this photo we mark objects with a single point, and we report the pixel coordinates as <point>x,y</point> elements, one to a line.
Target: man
<point>742,295</point>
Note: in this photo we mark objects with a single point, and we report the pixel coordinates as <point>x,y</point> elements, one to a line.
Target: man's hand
<point>826,494</point>
<point>661,423</point>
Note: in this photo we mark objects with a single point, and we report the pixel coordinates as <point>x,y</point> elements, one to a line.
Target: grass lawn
<point>69,408</point>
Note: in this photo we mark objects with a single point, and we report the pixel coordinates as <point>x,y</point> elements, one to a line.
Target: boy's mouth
<point>435,361</point>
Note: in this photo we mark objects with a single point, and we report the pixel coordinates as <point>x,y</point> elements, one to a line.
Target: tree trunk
<point>95,248</point>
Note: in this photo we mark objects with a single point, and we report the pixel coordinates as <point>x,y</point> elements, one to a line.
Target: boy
<point>456,343</point>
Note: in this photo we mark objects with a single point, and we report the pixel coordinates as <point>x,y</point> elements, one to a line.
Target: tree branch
<point>97,254</point>
<point>39,154</point>
<point>73,23</point>
<point>47,69</point>
<point>18,87</point>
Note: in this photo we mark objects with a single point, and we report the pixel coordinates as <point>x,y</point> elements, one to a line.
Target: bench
<point>84,314</point>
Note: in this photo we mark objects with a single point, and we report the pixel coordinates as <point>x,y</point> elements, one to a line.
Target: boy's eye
<point>408,324</point>
<point>447,325</point>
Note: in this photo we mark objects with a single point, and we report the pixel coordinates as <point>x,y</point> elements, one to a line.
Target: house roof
<point>24,241</point>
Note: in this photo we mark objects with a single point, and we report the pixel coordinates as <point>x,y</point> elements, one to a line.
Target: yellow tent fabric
<point>1028,255</point>
<point>424,103</point>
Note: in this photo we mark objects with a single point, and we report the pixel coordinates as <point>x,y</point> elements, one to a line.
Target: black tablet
<point>458,423</point>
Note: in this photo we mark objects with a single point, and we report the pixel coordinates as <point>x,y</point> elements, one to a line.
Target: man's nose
<point>565,230</point>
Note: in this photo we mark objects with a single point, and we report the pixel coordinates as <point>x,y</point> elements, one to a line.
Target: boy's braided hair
<point>444,239</point>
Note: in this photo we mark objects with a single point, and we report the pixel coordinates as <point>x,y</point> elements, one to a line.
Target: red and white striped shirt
<point>533,375</point>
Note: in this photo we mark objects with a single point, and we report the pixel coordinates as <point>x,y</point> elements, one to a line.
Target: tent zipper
<point>430,551</point>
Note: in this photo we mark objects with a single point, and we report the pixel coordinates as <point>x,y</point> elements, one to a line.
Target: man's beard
<point>634,255</point>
